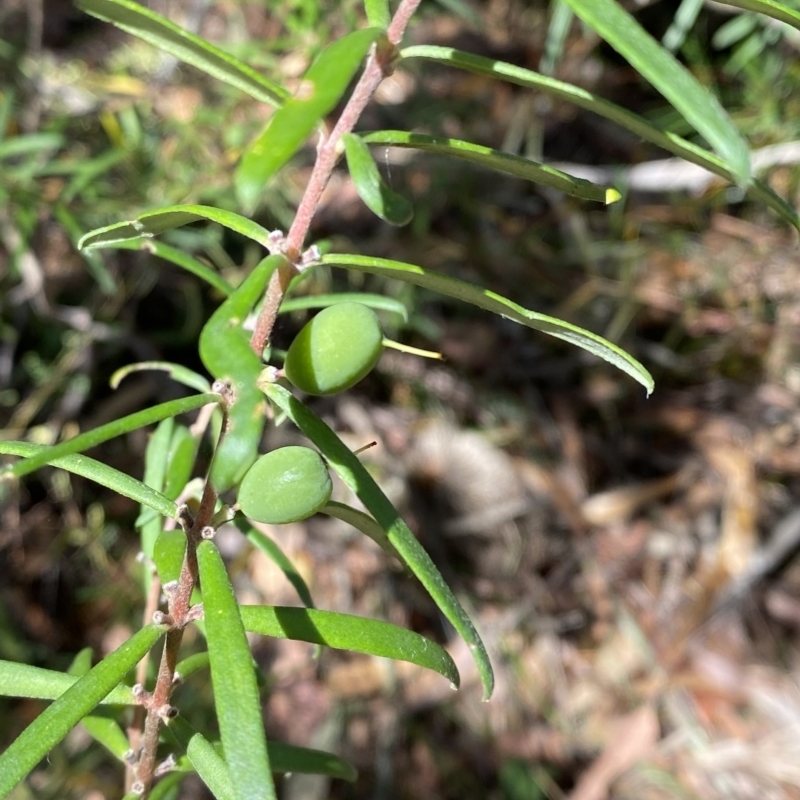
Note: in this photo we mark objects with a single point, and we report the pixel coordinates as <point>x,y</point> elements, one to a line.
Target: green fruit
<point>285,485</point>
<point>335,350</point>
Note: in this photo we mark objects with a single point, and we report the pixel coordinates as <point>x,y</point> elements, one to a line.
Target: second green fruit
<point>335,350</point>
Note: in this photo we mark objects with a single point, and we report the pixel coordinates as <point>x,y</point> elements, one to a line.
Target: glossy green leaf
<point>177,372</point>
<point>584,99</point>
<point>358,479</point>
<point>24,680</point>
<point>55,722</point>
<point>779,11</point>
<point>320,90</point>
<point>378,15</point>
<point>272,550</point>
<point>660,68</point>
<point>118,427</point>
<point>371,188</point>
<point>378,302</point>
<point>490,301</point>
<point>140,21</point>
<point>496,160</point>
<point>151,223</point>
<point>235,690</point>
<point>348,632</point>
<point>174,256</point>
<point>211,767</point>
<point>226,354</point>
<point>168,554</point>
<point>99,473</point>
<point>361,522</point>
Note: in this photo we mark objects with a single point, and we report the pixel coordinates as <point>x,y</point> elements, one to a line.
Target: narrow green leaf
<point>377,196</point>
<point>235,690</point>
<point>168,553</point>
<point>177,372</point>
<point>175,256</point>
<point>321,89</point>
<point>30,144</point>
<point>165,35</point>
<point>378,302</point>
<point>358,479</point>
<point>378,15</point>
<point>118,427</point>
<point>149,522</point>
<point>348,632</point>
<point>658,66</point>
<point>99,473</point>
<point>288,758</point>
<point>151,223</point>
<point>483,298</point>
<point>24,680</point>
<point>496,160</point>
<point>55,722</point>
<point>192,664</point>
<point>580,97</point>
<point>107,731</point>
<point>211,767</point>
<point>361,522</point>
<point>769,8</point>
<point>272,550</point>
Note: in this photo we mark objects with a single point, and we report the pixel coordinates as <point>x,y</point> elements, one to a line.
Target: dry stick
<point>379,65</point>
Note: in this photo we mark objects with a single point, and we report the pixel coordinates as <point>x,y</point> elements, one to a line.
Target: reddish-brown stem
<point>378,66</point>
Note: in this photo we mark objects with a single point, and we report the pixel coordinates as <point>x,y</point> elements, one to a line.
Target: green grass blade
<point>358,479</point>
<point>30,144</point>
<point>118,427</point>
<point>321,89</point>
<point>490,301</point>
<point>99,473</point>
<point>55,722</point>
<point>371,188</point>
<point>660,68</point>
<point>236,697</point>
<point>378,302</point>
<point>24,680</point>
<point>769,8</point>
<point>140,21</point>
<point>151,223</point>
<point>177,257</point>
<point>177,372</point>
<point>348,632</point>
<point>496,160</point>
<point>211,767</point>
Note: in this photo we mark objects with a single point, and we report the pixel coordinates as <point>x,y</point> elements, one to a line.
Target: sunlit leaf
<point>55,722</point>
<point>358,479</point>
<point>140,21</point>
<point>490,301</point>
<point>151,223</point>
<point>348,632</point>
<point>320,90</point>
<point>779,11</point>
<point>496,160</point>
<point>211,767</point>
<point>102,474</point>
<point>236,697</point>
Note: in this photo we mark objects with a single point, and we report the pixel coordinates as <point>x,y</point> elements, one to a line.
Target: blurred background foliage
<point>628,561</point>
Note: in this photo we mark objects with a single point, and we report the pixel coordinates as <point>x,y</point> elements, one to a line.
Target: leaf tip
<point>612,195</point>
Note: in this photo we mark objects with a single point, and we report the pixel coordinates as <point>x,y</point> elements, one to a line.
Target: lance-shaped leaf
<point>377,196</point>
<point>24,680</point>
<point>591,102</point>
<point>177,372</point>
<point>320,90</point>
<point>151,223</point>
<point>140,21</point>
<point>362,522</point>
<point>779,11</point>
<point>358,479</point>
<point>177,257</point>
<point>211,767</point>
<point>483,298</point>
<point>378,302</point>
<point>235,690</point>
<point>55,722</point>
<point>349,632</point>
<point>99,473</point>
<point>496,160</point>
<point>118,427</point>
<point>658,66</point>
